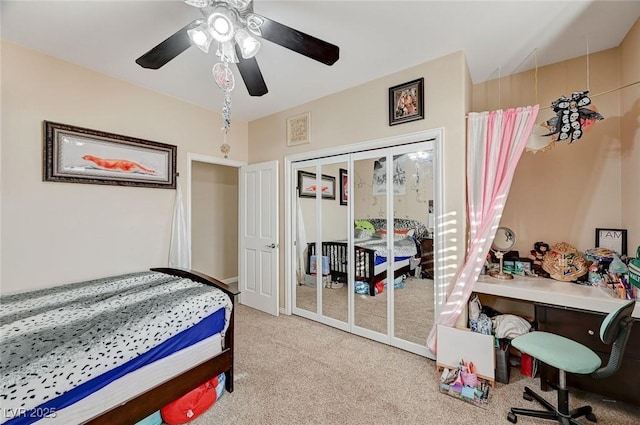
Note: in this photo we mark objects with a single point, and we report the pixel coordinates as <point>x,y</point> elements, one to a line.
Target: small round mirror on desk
<point>503,242</point>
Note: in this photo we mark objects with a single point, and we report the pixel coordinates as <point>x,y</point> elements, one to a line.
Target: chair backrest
<point>615,329</point>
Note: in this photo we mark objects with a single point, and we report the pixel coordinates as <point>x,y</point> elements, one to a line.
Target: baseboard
<point>230,280</point>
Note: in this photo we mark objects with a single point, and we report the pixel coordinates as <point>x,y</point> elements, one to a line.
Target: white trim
<point>230,280</point>
<point>368,145</point>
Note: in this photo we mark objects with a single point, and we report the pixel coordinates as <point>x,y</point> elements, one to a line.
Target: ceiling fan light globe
<point>220,26</point>
<point>248,45</point>
<point>201,37</point>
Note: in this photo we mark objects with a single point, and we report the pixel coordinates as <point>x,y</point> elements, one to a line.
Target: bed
<point>370,252</point>
<point>113,350</point>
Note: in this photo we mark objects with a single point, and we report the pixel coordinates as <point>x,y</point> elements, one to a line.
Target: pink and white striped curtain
<point>495,142</point>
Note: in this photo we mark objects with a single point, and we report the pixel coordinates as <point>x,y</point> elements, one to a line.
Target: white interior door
<point>258,251</point>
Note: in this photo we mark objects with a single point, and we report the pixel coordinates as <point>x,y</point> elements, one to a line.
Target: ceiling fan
<point>234,26</point>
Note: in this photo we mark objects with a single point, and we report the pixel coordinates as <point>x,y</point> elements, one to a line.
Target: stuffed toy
<point>536,256</point>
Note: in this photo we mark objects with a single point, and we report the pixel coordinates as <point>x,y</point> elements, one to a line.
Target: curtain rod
<point>595,95</point>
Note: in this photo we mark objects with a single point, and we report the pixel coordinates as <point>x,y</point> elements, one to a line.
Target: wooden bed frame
<point>339,268</point>
<point>152,400</point>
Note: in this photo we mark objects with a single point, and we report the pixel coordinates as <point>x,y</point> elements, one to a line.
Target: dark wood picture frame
<point>307,185</point>
<point>406,102</point>
<point>80,155</point>
<point>614,239</point>
<point>344,187</point>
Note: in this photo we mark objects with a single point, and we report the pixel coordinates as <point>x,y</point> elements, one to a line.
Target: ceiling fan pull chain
<point>226,113</point>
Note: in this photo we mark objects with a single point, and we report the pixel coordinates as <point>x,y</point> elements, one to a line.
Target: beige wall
<point>214,219</point>
<point>360,114</point>
<point>54,233</point>
<point>630,135</point>
<point>563,194</point>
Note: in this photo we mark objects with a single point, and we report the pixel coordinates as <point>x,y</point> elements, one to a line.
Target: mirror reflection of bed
<point>411,238</point>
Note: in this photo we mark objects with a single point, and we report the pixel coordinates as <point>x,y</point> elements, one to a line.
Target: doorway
<point>212,183</point>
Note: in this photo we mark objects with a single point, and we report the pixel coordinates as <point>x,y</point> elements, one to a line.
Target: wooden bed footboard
<point>152,400</point>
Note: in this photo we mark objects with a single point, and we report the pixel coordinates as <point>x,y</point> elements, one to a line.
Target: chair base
<point>552,413</point>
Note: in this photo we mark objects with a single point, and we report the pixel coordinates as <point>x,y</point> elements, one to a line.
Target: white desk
<point>575,311</point>
<point>553,292</point>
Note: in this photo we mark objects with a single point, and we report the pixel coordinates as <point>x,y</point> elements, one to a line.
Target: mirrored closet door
<point>366,262</point>
<point>322,227</point>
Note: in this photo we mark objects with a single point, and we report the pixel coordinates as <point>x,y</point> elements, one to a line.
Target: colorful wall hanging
<point>572,117</point>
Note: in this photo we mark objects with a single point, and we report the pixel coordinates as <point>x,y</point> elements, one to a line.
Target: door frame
<point>196,157</point>
<point>436,134</point>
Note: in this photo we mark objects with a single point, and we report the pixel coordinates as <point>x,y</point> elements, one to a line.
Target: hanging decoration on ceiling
<point>226,82</point>
<point>225,149</point>
<point>572,117</point>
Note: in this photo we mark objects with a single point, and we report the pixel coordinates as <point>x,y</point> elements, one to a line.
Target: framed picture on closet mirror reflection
<point>344,187</point>
<point>307,185</point>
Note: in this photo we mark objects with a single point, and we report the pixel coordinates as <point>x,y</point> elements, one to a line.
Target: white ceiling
<point>376,38</point>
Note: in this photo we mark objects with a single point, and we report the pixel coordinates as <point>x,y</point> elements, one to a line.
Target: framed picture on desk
<point>613,239</point>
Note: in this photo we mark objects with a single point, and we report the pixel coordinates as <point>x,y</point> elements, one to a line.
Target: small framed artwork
<point>613,239</point>
<point>344,187</point>
<point>299,129</point>
<point>80,155</point>
<point>406,102</point>
<point>307,185</point>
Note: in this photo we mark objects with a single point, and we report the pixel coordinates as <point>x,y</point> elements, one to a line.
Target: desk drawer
<point>576,325</point>
<point>584,327</point>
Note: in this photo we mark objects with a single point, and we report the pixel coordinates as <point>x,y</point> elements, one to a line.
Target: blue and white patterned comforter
<point>403,247</point>
<point>57,338</point>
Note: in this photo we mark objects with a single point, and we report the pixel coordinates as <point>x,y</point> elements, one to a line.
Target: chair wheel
<point>527,396</point>
<point>591,417</point>
<point>511,417</point>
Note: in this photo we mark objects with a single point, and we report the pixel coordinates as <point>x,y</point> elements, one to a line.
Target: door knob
<point>273,245</point>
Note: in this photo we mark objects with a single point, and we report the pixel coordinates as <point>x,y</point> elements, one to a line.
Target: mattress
<point>62,344</point>
<point>132,384</point>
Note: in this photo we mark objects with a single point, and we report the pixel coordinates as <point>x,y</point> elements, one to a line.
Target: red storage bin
<point>191,405</point>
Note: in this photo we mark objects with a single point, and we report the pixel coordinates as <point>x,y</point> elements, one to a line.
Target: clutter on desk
<point>563,262</point>
<point>512,263</point>
<point>464,384</point>
<point>617,276</point>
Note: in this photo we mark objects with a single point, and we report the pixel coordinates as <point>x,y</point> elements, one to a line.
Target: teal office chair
<point>569,356</point>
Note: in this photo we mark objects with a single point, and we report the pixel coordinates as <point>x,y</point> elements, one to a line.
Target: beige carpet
<point>290,370</point>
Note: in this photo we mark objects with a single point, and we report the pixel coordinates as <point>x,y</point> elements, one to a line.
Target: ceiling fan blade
<point>250,72</point>
<point>299,42</point>
<point>177,43</point>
